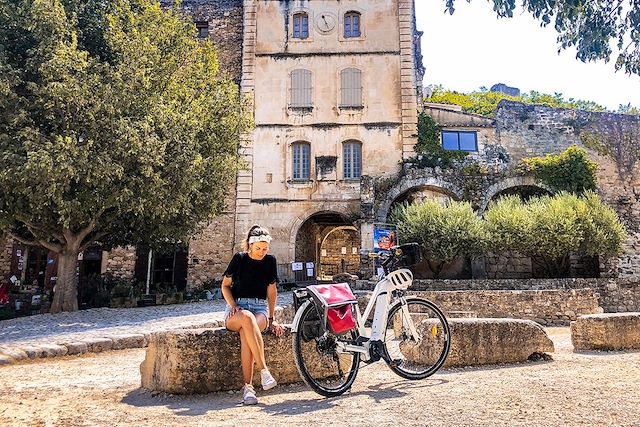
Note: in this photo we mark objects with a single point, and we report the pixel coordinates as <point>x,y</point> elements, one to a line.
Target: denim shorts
<point>254,305</point>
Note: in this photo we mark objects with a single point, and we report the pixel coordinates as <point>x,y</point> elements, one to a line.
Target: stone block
<point>97,345</point>
<point>491,341</point>
<point>606,331</point>
<point>15,353</point>
<point>188,361</point>
<point>76,348</point>
<point>6,360</point>
<point>123,341</point>
<point>53,350</point>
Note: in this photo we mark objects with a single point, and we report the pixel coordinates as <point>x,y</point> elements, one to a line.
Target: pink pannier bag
<point>336,302</point>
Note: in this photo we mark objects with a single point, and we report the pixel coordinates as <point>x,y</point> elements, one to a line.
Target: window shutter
<point>351,84</point>
<point>301,88</point>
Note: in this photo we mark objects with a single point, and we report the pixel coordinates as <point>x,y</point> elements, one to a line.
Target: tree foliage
<point>485,103</point>
<point>550,228</point>
<point>591,27</point>
<point>115,125</point>
<point>444,232</point>
<point>570,170</point>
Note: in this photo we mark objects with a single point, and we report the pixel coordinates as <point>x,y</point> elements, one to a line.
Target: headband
<point>262,238</point>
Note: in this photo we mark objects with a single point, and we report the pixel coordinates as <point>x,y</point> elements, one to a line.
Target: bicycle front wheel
<point>417,338</point>
<point>322,366</point>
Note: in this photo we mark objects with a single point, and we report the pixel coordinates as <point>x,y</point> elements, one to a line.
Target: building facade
<point>335,90</point>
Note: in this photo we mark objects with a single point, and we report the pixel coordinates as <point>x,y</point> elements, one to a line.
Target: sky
<point>473,48</point>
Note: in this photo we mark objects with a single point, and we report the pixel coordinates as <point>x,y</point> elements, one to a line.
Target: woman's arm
<point>228,296</point>
<point>272,297</point>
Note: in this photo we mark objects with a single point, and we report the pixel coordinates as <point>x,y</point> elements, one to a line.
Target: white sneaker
<point>249,395</point>
<point>268,382</point>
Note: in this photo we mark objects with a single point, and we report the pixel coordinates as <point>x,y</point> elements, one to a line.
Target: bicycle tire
<point>320,366</point>
<point>411,358</point>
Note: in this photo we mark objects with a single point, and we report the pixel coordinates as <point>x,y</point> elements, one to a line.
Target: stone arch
<point>405,186</point>
<point>508,183</point>
<point>341,210</point>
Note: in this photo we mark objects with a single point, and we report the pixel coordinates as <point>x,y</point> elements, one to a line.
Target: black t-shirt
<point>251,277</point>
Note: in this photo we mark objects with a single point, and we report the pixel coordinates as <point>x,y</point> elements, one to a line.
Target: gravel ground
<point>575,389</point>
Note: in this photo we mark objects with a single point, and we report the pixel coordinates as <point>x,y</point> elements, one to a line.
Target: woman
<point>249,288</point>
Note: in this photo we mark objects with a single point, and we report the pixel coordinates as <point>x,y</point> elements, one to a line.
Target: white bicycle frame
<point>381,299</point>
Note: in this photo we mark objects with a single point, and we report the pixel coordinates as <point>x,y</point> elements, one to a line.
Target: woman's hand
<point>276,328</point>
<point>233,311</point>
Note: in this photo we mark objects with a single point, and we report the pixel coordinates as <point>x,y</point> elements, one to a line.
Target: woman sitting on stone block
<point>249,288</point>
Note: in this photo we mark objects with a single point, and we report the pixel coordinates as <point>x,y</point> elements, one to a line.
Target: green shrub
<point>444,232</point>
<point>550,228</point>
<point>569,171</point>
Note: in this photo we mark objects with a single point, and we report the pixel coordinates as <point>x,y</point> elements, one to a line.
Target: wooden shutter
<point>351,87</point>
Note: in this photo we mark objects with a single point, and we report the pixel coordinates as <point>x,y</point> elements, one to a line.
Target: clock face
<point>325,22</point>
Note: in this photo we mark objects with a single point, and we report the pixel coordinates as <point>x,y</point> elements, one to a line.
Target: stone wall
<point>120,262</point>
<point>508,265</point>
<point>211,250</point>
<point>611,140</point>
<point>614,294</point>
<point>335,261</point>
<point>547,307</point>
<point>225,29</point>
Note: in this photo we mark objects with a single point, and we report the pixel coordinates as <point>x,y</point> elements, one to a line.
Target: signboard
<point>296,266</point>
<point>385,236</point>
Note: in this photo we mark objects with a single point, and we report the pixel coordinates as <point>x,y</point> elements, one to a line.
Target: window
<point>300,89</point>
<point>203,29</point>
<point>351,24</point>
<point>352,160</point>
<point>300,26</point>
<point>459,141</point>
<point>301,161</point>
<point>168,268</point>
<point>351,88</point>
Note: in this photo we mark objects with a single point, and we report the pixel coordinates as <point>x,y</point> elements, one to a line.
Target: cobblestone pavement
<point>100,329</point>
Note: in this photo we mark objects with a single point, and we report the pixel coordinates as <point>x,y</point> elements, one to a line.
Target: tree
<point>550,228</point>
<point>443,232</point>
<point>589,26</point>
<point>115,126</point>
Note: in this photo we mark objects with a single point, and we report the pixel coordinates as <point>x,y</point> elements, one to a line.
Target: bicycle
<point>409,333</point>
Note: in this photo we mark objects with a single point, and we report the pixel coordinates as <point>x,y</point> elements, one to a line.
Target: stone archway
<point>407,187</point>
<point>525,186</point>
<point>325,238</point>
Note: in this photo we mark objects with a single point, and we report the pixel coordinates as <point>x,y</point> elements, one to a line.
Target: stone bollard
<point>607,331</point>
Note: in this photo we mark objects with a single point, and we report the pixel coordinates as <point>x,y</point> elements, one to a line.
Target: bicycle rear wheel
<point>417,338</point>
<point>324,369</point>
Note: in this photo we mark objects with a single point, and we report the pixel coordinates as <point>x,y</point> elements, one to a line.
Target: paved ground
<point>48,335</point>
<point>575,389</point>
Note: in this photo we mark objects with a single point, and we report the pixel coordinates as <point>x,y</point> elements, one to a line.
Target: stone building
<point>335,88</point>
<point>496,146</point>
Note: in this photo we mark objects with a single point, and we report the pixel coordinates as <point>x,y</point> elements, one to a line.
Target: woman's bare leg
<point>249,326</point>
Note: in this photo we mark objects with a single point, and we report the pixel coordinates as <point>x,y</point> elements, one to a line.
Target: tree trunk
<point>65,297</point>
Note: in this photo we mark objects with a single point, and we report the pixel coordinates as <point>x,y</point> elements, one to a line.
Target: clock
<point>325,22</point>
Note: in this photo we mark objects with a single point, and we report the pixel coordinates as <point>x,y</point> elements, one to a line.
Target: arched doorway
<point>328,242</point>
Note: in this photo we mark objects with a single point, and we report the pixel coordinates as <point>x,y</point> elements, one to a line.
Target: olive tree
<point>550,228</point>
<point>115,126</point>
<point>444,232</point>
